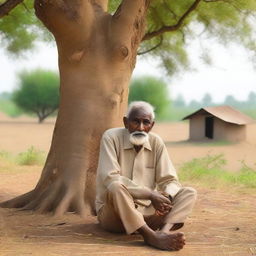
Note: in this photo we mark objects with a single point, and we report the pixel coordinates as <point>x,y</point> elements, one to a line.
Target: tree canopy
<point>169,26</point>
<point>38,93</point>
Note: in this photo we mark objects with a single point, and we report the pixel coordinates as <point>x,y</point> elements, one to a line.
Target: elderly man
<point>137,185</point>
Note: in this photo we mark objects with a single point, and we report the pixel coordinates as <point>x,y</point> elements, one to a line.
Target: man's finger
<point>166,200</point>
<point>159,213</point>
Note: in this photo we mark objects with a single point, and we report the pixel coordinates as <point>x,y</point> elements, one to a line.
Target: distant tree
<point>152,90</point>
<point>5,95</point>
<point>179,102</point>
<point>38,93</point>
<point>207,100</point>
<point>193,104</point>
<point>251,100</point>
<point>231,101</point>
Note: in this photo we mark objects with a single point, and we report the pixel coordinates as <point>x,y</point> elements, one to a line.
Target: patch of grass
<point>210,170</point>
<point>4,155</point>
<point>9,108</point>
<point>213,143</point>
<point>246,176</point>
<point>30,157</point>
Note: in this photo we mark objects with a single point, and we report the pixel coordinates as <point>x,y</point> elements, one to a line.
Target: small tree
<point>251,100</point>
<point>38,93</point>
<point>152,90</point>
<point>179,102</point>
<point>230,100</point>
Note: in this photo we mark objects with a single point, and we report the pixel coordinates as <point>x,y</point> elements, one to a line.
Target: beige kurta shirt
<point>150,168</point>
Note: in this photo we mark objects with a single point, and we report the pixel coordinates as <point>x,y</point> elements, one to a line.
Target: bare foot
<point>166,241</point>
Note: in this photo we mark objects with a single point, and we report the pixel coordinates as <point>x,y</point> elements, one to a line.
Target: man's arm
<point>166,176</point>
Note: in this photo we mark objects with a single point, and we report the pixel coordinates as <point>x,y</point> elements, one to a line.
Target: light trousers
<point>120,213</point>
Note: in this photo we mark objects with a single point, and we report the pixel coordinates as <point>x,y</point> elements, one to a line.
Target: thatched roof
<point>225,113</point>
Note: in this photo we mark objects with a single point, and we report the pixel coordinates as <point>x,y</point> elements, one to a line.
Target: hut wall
<point>235,132</point>
<point>228,131</point>
<point>196,127</point>
<point>220,130</point>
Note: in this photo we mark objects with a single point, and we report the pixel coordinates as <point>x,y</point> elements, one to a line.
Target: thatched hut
<point>218,123</point>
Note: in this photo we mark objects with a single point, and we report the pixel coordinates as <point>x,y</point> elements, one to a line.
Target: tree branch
<point>128,11</point>
<point>175,26</point>
<point>7,6</point>
<point>153,48</point>
<point>67,18</point>
<point>129,20</point>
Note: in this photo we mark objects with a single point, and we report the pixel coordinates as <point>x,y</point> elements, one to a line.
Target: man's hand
<point>161,203</point>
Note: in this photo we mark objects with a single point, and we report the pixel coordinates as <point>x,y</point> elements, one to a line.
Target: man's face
<point>139,121</point>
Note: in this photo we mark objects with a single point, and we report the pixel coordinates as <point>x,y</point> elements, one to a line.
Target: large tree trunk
<point>97,53</point>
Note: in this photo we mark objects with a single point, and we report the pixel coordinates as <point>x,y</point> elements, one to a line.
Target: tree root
<point>54,198</point>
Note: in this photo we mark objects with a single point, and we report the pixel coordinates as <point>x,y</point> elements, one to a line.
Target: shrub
<point>210,170</point>
<point>30,157</point>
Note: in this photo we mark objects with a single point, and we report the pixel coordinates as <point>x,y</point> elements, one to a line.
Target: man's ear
<point>125,121</point>
<point>153,123</point>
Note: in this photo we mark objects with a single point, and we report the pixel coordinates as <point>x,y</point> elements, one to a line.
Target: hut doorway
<point>209,121</point>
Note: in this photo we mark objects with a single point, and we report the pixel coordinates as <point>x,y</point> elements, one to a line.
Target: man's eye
<point>146,122</point>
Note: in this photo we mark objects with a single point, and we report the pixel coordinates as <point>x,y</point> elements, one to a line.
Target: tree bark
<point>97,54</point>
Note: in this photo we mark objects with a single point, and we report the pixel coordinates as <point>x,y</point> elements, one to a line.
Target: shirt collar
<point>129,145</point>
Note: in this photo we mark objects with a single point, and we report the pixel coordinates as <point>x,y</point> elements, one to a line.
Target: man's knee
<point>191,192</point>
<point>115,187</point>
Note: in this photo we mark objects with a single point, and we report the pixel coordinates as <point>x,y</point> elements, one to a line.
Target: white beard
<point>138,138</point>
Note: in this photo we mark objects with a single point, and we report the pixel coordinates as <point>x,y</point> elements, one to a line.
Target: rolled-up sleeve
<point>108,167</point>
<point>166,177</point>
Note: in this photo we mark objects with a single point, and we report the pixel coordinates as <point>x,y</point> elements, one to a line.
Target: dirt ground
<point>223,222</point>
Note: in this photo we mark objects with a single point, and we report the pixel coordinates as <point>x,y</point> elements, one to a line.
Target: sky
<point>231,73</point>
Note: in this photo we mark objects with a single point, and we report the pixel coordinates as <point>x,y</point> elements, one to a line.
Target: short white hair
<point>141,105</point>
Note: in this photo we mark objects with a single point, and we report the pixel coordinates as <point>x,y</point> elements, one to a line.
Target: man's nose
<point>141,126</point>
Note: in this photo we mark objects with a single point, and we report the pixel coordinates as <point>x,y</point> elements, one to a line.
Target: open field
<point>17,135</point>
<point>222,224</point>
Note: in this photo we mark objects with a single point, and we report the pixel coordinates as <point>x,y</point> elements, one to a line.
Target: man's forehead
<point>140,113</point>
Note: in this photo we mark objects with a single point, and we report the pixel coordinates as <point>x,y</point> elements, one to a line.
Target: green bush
<point>4,155</point>
<point>246,176</point>
<point>30,157</point>
<point>209,170</point>
<point>9,108</point>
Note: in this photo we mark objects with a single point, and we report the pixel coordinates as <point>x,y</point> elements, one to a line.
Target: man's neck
<point>137,148</point>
